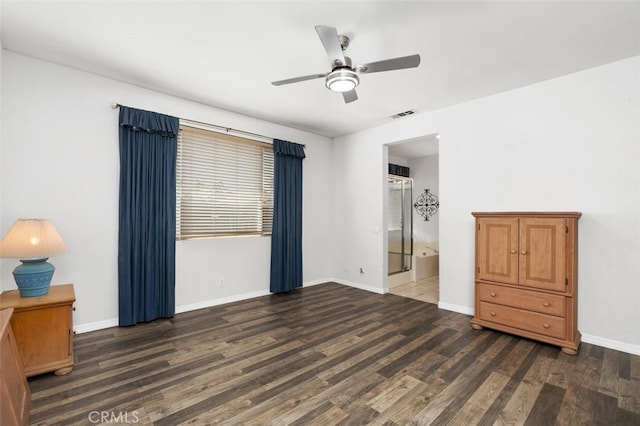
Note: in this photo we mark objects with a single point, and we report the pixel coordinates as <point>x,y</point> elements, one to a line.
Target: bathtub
<point>426,260</point>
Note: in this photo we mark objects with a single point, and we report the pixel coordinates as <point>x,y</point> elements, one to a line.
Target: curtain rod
<point>116,105</point>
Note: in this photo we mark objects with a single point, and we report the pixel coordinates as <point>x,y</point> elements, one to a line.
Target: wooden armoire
<point>526,275</point>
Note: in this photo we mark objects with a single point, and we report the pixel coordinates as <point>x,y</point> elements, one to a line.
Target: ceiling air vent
<point>403,114</point>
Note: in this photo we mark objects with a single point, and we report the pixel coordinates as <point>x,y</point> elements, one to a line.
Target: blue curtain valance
<point>288,149</point>
<point>138,120</point>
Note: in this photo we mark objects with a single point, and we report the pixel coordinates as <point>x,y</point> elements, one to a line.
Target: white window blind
<point>224,185</point>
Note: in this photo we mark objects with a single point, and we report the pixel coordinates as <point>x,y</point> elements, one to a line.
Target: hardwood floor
<point>329,355</point>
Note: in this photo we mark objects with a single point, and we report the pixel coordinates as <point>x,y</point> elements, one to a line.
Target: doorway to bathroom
<point>413,250</point>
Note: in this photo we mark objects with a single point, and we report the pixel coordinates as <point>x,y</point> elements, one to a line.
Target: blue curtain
<point>286,235</point>
<point>147,216</point>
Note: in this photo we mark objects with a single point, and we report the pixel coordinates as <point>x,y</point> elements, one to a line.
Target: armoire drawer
<point>547,325</point>
<point>524,299</point>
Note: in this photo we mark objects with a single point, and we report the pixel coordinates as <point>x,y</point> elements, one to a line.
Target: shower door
<point>400,229</point>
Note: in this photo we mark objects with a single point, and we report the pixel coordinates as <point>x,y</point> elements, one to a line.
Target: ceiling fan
<point>343,76</point>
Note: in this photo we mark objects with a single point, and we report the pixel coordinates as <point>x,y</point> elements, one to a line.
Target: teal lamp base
<point>33,277</point>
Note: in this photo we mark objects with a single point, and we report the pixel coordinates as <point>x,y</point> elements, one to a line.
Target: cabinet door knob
<point>514,251</point>
<point>523,252</point>
<point>493,314</point>
<point>493,294</point>
<point>545,325</point>
<point>546,304</point>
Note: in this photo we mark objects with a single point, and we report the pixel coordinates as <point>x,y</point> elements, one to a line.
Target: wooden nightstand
<point>43,329</point>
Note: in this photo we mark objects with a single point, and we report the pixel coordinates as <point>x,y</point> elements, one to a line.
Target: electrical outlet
<point>221,282</point>
<point>361,271</point>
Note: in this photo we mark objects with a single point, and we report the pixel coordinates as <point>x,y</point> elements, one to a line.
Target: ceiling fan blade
<point>411,61</point>
<point>329,38</point>
<point>350,96</point>
<point>297,79</point>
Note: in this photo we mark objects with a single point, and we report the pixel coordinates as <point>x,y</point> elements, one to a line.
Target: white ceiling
<point>225,54</point>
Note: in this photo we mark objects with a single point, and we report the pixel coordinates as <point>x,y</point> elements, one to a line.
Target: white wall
<point>425,174</point>
<point>400,161</point>
<point>361,168</point>
<point>571,143</point>
<point>60,161</point>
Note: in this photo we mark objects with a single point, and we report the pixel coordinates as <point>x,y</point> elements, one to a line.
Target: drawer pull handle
<point>545,325</point>
<point>546,304</point>
<point>493,314</point>
<point>523,252</point>
<point>493,294</point>
<point>514,251</point>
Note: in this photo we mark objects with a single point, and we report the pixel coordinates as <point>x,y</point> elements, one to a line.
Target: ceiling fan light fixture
<point>342,80</point>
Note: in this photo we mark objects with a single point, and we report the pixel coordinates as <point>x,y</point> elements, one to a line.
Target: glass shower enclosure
<point>400,228</point>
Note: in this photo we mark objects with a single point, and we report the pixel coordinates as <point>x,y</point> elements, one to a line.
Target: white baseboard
<point>455,308</point>
<point>94,326</point>
<point>611,344</point>
<point>365,287</point>
<point>316,282</point>
<point>220,301</point>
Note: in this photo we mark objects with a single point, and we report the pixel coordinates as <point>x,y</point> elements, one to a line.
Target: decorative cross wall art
<point>427,204</point>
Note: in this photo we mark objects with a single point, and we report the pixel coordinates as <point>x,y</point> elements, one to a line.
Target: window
<point>224,185</point>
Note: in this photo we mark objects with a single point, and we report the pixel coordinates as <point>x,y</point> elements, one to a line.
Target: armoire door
<point>497,250</point>
<point>542,253</point>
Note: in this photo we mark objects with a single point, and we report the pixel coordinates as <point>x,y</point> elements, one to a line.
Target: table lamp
<point>32,241</point>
